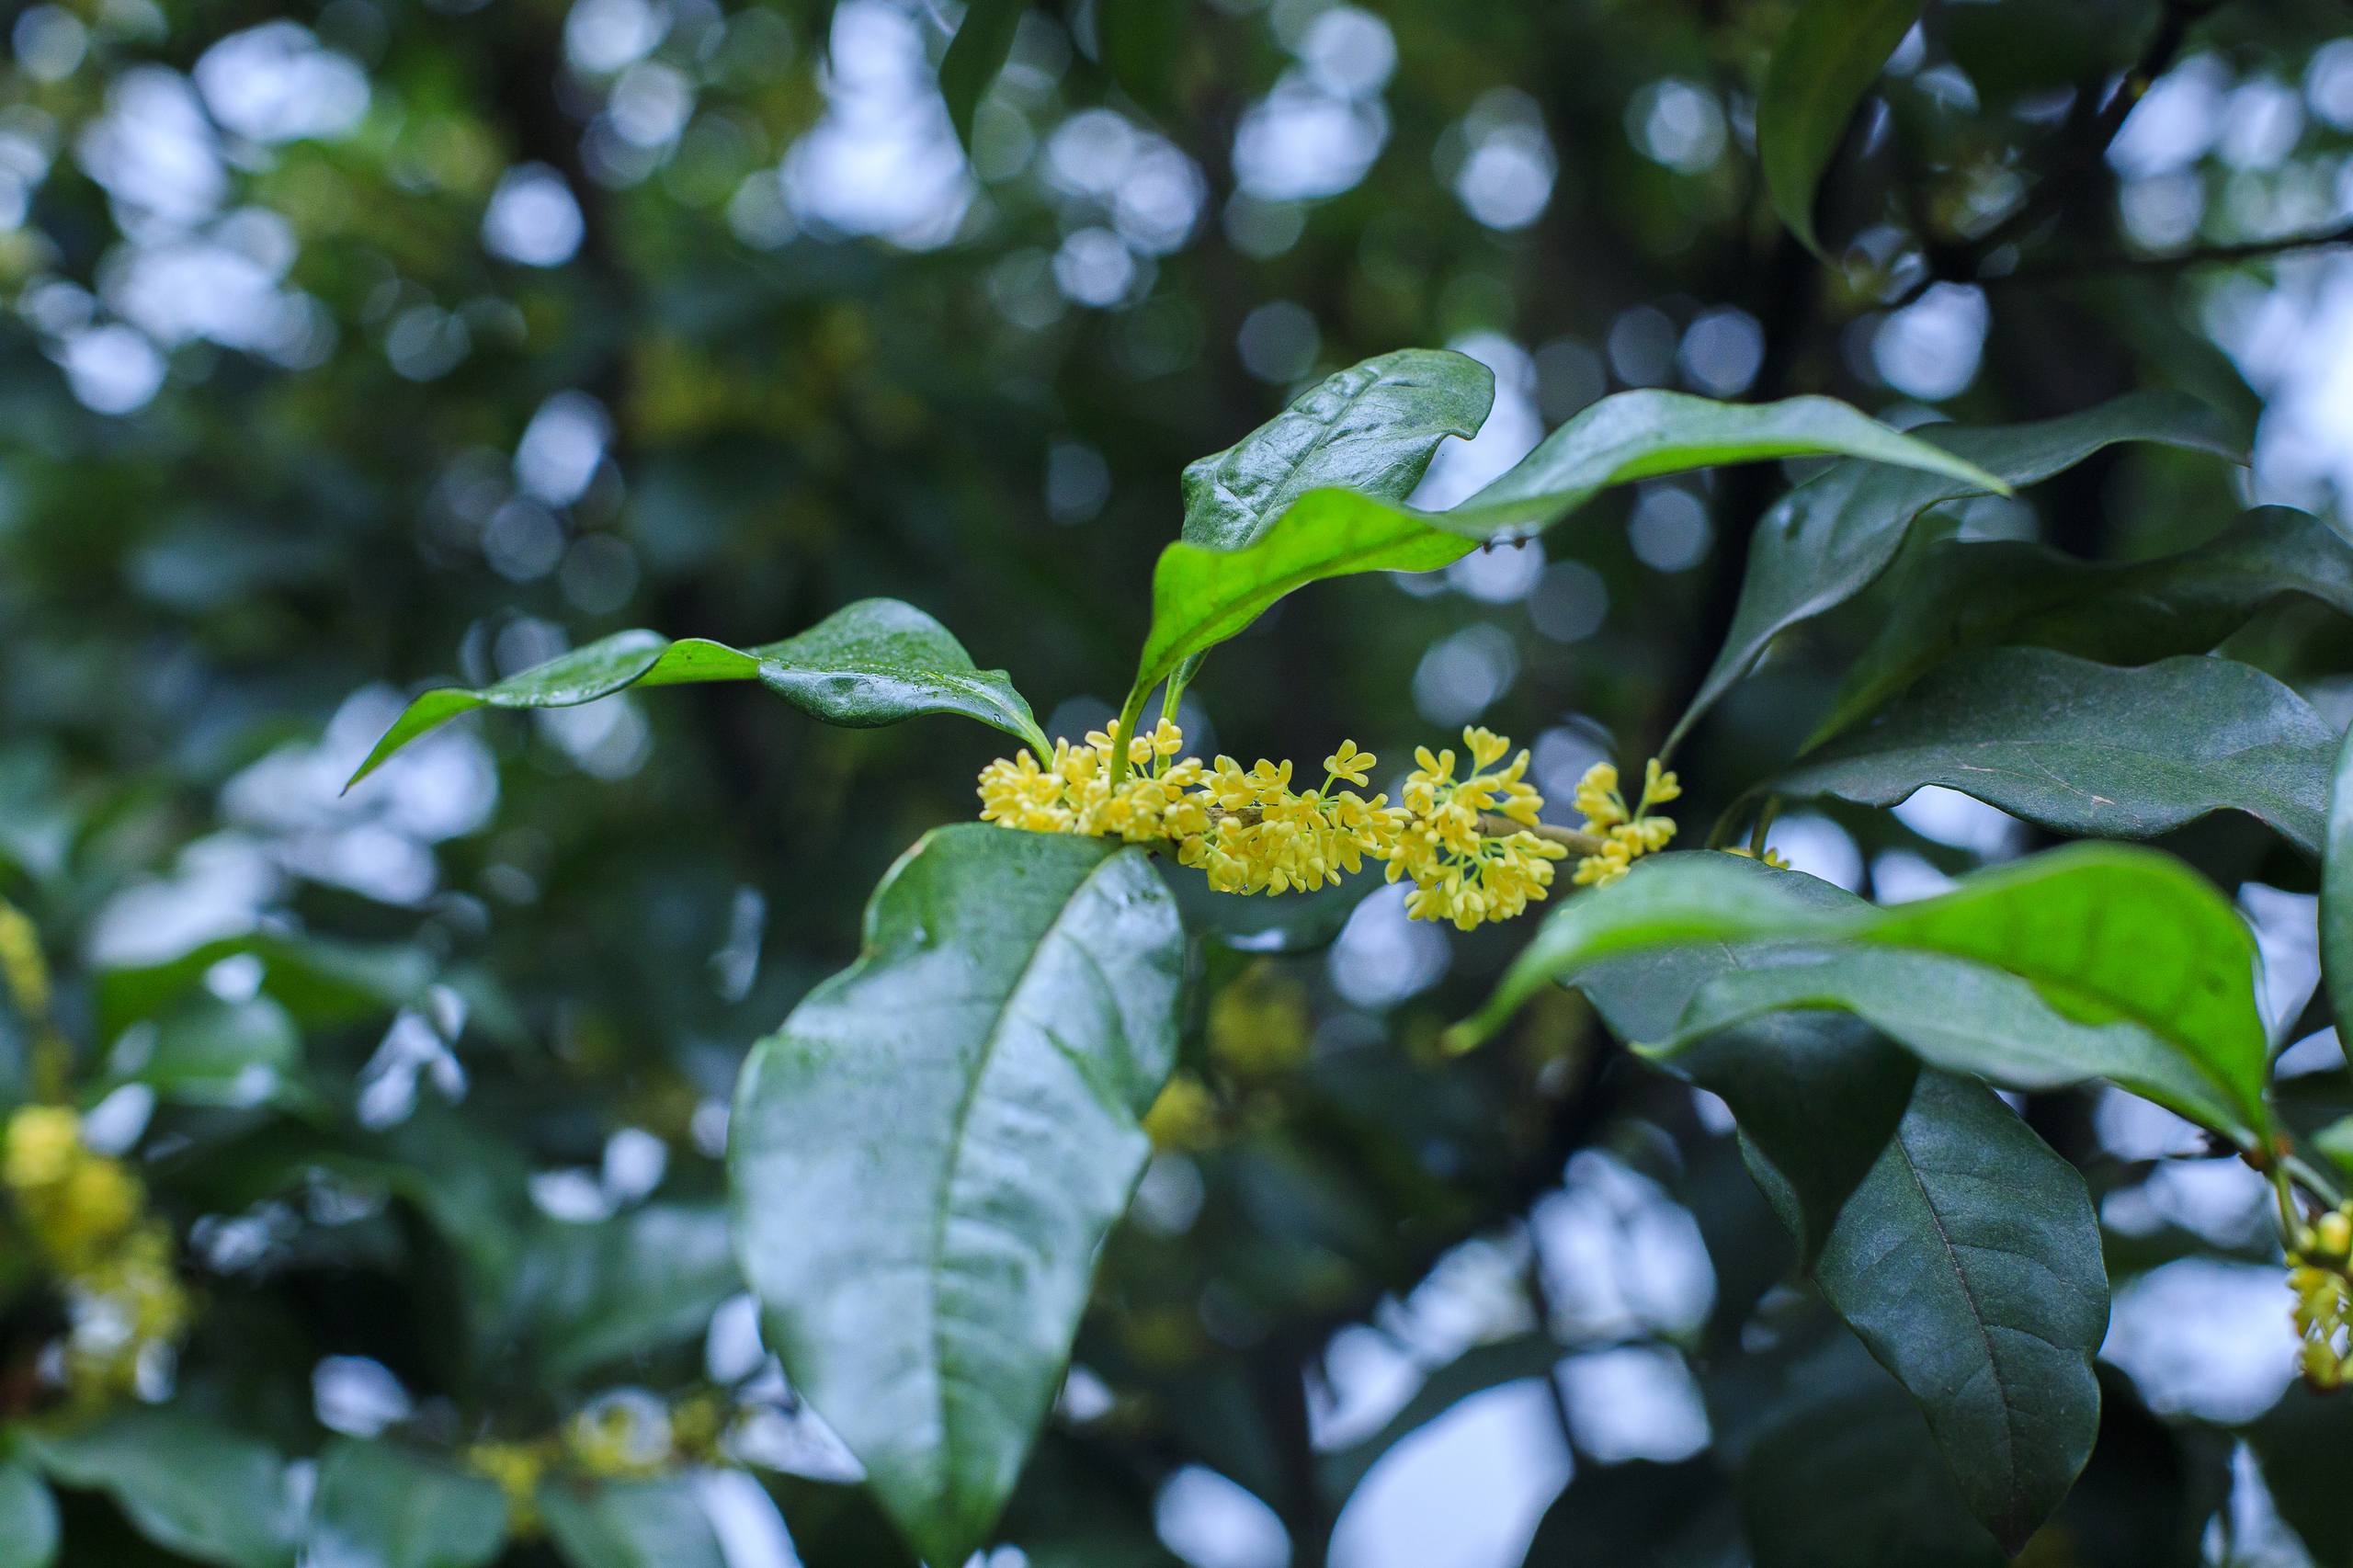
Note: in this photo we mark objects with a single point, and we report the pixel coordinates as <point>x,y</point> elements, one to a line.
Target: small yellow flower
<point>1350,763</point>
<point>1485,746</point>
<point>1627,834</point>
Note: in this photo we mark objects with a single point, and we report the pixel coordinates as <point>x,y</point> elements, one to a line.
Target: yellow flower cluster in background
<point>1470,844</point>
<point>86,1215</point>
<point>2317,1273</point>
<point>626,1435</point>
<point>1627,833</point>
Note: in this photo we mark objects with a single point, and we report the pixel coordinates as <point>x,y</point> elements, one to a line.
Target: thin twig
<point>1568,838</point>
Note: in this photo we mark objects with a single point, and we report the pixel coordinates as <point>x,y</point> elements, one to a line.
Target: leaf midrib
<point>953,1164</point>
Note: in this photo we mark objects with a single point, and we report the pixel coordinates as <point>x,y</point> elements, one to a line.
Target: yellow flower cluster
<point>626,1435</point>
<point>84,1213</point>
<point>1463,871</point>
<point>1248,831</point>
<point>2317,1273</point>
<point>1627,833</point>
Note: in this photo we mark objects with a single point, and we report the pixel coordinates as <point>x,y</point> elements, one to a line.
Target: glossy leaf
<point>1201,596</point>
<point>1830,538</point>
<point>1969,1261</point>
<point>872,662</point>
<point>1960,1249</point>
<point>629,1524</point>
<point>28,1518</point>
<point>1951,595</point>
<point>978,52</point>
<point>190,1487</point>
<point>1823,63</point>
<point>2089,749</point>
<point>1372,428</point>
<point>2336,889</point>
<point>2095,961</point>
<point>927,1155</point>
<point>381,1505</point>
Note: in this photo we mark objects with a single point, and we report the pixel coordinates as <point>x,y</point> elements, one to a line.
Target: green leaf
<point>2090,749</point>
<point>322,983</point>
<point>1201,596</point>
<point>28,1518</point>
<point>190,1487</point>
<point>872,662</point>
<point>1969,1261</point>
<point>206,1052</point>
<point>636,1283</point>
<point>2302,1443</point>
<point>1827,60</point>
<point>1373,428</point>
<point>1952,595</point>
<point>978,52</point>
<point>924,1159</point>
<point>629,1524</point>
<point>2093,960</point>
<point>1627,1515</point>
<point>2336,891</point>
<point>1830,538</point>
<point>1845,1474</point>
<point>1960,1249</point>
<point>381,1505</point>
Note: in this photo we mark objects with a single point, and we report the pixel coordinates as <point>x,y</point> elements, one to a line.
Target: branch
<point>2065,185</point>
<point>1568,838</point>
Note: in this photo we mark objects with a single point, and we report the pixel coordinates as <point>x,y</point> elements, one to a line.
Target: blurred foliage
<point>357,346</point>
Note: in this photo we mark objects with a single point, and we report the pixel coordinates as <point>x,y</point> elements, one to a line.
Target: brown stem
<point>1569,839</point>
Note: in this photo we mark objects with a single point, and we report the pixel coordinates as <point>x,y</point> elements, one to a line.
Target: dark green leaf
<point>2336,891</point>
<point>1946,1234</point>
<point>380,1505</point>
<point>1626,1515</point>
<point>1969,1261</point>
<point>1955,594</point>
<point>1201,596</point>
<point>1830,538</point>
<point>2095,961</point>
<point>1844,1474</point>
<point>629,1524</point>
<point>1823,63</point>
<point>2302,1443</point>
<point>1143,41</point>
<point>28,1518</point>
<point>872,662</point>
<point>2089,749</point>
<point>926,1156</point>
<point>190,1487</point>
<point>1817,1099</point>
<point>975,57</point>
